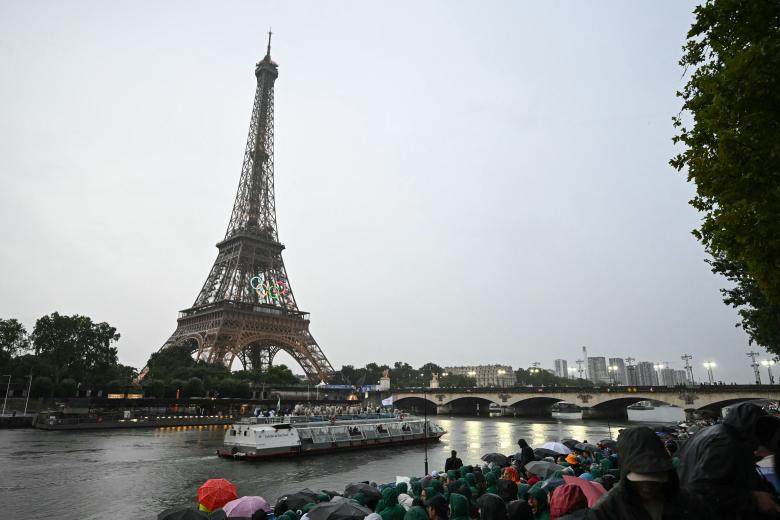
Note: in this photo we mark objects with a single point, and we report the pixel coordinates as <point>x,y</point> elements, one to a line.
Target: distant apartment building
<point>619,375</point>
<point>597,370</point>
<point>561,368</point>
<point>632,378</point>
<point>486,375</point>
<point>646,374</point>
<point>682,377</point>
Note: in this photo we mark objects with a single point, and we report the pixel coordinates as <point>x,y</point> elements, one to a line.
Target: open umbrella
<point>496,458</point>
<point>608,443</point>
<point>342,510</point>
<point>570,443</point>
<point>216,492</point>
<point>544,452</point>
<point>361,487</point>
<point>182,513</point>
<point>294,501</point>
<point>592,490</point>
<point>557,447</point>
<point>246,506</point>
<point>542,468</point>
<point>586,446</point>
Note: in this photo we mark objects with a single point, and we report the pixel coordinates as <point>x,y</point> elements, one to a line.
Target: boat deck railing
<point>330,419</point>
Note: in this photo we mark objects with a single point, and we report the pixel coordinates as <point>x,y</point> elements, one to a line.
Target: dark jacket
<point>491,507</point>
<point>526,454</point>
<point>641,451</point>
<point>717,465</point>
<point>452,463</point>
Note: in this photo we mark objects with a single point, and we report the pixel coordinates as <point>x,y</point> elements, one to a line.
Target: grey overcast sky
<point>458,182</point>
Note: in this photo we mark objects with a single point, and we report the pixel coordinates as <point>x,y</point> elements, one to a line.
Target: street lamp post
<point>7,389</point>
<point>768,364</point>
<point>612,369</point>
<point>709,365</point>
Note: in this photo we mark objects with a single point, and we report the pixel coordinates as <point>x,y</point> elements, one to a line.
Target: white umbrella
<point>557,447</point>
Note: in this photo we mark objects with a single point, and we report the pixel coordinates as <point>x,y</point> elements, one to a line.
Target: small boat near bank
<point>259,438</point>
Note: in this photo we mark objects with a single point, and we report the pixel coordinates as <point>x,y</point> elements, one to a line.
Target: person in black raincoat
<point>491,507</point>
<point>717,466</point>
<point>649,488</point>
<point>453,462</point>
<point>525,455</point>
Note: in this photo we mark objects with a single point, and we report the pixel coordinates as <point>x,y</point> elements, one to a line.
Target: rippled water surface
<point>135,474</point>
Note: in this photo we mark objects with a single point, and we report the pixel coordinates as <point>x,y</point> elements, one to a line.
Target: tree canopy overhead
<point>731,151</point>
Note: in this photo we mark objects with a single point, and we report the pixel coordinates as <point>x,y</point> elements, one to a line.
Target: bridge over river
<point>596,401</point>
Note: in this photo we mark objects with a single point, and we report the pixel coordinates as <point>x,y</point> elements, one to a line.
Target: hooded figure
<point>506,489</point>
<point>491,507</point>
<point>537,499</point>
<point>519,510</point>
<point>525,455</point>
<point>416,488</point>
<point>415,513</point>
<point>392,510</point>
<point>490,481</point>
<point>717,465</point>
<point>569,502</point>
<point>459,507</point>
<point>648,487</point>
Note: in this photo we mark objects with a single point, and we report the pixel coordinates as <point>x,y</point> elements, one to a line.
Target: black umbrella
<point>361,487</point>
<point>608,443</point>
<point>331,494</point>
<point>342,510</point>
<point>294,501</point>
<point>585,446</point>
<point>570,443</point>
<point>182,513</point>
<point>496,458</point>
<point>544,452</point>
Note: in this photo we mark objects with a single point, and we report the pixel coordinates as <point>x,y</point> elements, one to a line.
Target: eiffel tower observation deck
<point>246,309</point>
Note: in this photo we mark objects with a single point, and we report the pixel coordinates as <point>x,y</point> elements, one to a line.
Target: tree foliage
<point>732,152</point>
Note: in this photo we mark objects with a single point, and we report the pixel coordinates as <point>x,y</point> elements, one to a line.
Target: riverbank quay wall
<point>596,402</point>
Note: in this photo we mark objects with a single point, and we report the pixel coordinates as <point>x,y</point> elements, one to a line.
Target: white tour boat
<point>289,436</point>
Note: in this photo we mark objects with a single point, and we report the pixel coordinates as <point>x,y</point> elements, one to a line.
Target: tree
<point>13,338</point>
<point>67,388</point>
<point>541,377</point>
<point>193,387</point>
<point>732,152</point>
<point>155,388</point>
<point>75,347</point>
<point>175,388</point>
<point>41,386</point>
<point>164,363</point>
<point>280,375</point>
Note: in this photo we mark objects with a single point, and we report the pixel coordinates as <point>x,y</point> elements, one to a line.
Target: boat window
<point>232,433</point>
<point>245,432</point>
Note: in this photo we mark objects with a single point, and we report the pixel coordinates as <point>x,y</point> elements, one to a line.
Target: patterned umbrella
<point>216,492</point>
<point>246,506</point>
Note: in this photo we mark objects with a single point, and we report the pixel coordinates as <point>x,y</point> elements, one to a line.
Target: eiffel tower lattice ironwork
<point>246,308</point>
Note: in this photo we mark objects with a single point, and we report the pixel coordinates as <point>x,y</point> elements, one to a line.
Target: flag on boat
<point>388,401</point>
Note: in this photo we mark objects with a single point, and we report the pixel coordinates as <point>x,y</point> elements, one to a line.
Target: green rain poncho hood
<point>402,487</point>
<point>416,513</point>
<point>459,506</point>
<point>392,509</point>
<point>416,488</point>
<point>543,511</point>
<point>490,481</point>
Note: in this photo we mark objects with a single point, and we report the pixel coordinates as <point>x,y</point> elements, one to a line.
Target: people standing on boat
<point>717,465</point>
<point>453,462</point>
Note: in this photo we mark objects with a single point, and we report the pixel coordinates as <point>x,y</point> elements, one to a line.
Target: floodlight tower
<point>752,355</point>
<point>688,368</point>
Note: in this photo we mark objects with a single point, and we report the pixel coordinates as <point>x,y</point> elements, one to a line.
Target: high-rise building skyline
<point>561,368</point>
<point>597,370</point>
<point>646,374</point>
<point>619,375</point>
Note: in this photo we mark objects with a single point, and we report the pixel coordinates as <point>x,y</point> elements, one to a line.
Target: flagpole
<point>425,426</point>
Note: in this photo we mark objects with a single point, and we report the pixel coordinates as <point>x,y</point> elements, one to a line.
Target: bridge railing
<point>699,388</point>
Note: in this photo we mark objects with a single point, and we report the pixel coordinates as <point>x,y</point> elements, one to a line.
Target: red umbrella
<point>215,493</point>
<point>592,490</point>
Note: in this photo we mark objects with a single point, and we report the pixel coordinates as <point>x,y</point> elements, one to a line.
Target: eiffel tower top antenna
<point>268,51</point>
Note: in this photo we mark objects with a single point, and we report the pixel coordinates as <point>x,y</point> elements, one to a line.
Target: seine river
<point>135,474</point>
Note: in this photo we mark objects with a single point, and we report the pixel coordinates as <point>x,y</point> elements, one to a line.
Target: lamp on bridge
<point>709,365</point>
<point>768,364</point>
<point>612,369</point>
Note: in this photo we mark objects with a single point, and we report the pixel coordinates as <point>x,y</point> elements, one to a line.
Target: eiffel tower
<point>246,308</point>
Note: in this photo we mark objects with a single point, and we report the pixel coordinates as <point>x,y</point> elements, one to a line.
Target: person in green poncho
<point>416,488</point>
<point>537,499</point>
<point>416,513</point>
<point>459,507</point>
<point>490,480</point>
<point>471,482</point>
<point>392,510</point>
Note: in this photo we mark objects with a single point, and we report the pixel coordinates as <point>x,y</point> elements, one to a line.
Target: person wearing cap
<point>717,465</point>
<point>649,488</point>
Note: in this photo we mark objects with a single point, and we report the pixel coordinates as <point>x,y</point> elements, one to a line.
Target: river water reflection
<point>135,474</point>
